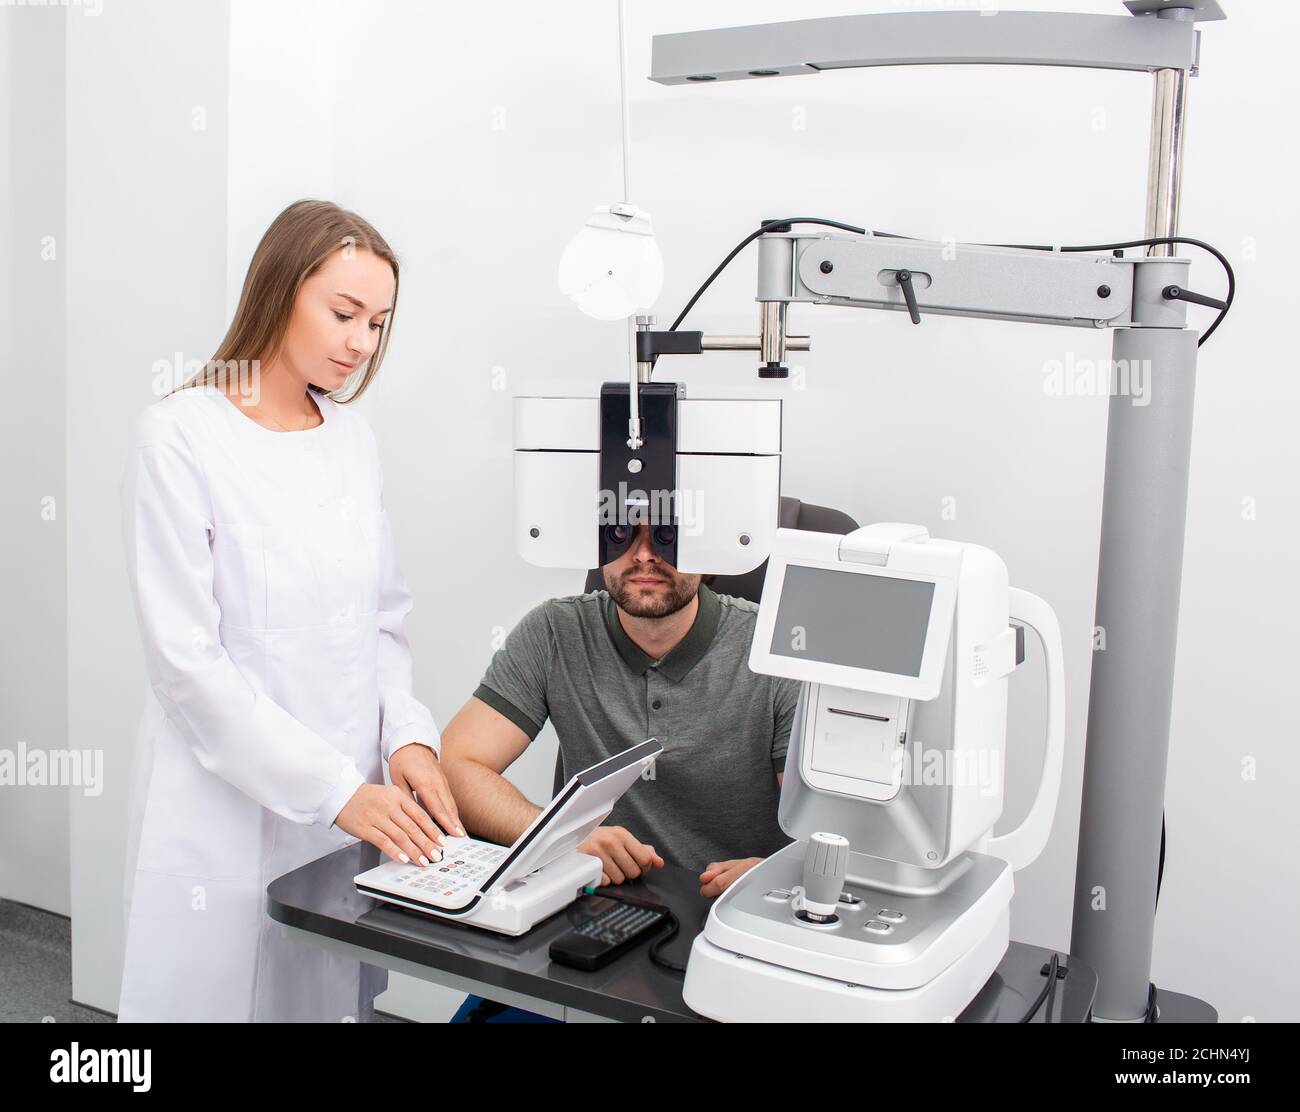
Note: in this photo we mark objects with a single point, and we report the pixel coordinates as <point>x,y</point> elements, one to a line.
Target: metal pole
<point>1165,167</point>
<point>1144,512</point>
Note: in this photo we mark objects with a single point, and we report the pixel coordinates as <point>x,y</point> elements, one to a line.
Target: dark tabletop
<point>320,898</point>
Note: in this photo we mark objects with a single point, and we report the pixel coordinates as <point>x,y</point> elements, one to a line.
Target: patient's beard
<point>631,601</point>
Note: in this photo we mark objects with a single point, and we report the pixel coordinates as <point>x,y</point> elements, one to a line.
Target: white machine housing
<point>728,481</point>
<point>945,698</point>
<point>904,645</point>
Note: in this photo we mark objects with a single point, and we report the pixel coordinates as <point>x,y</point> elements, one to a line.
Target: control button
<point>875,926</point>
<point>780,895</point>
<point>890,916</point>
<point>849,900</point>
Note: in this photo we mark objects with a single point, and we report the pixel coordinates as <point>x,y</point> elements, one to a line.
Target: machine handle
<point>1021,846</point>
<point>904,279</point>
<point>1177,293</point>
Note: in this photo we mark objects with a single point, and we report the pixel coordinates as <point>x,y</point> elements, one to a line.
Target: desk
<point>319,904</point>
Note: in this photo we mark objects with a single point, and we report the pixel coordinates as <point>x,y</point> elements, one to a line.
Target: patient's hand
<point>721,875</point>
<point>622,856</point>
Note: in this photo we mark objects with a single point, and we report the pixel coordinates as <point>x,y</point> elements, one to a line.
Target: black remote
<point>612,928</point>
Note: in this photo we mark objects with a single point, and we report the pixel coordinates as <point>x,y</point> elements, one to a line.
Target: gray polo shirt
<point>712,794</point>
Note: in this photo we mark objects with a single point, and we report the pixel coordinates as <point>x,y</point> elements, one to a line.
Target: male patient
<point>659,655</point>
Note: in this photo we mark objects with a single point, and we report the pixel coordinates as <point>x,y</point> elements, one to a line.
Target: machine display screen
<point>854,620</point>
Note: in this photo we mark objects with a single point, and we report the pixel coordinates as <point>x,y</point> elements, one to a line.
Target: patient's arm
<point>477,746</point>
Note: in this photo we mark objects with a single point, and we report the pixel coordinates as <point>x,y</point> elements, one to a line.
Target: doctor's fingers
<point>434,795</point>
<point>385,844</point>
<point>413,813</point>
<point>414,829</point>
<point>402,840</point>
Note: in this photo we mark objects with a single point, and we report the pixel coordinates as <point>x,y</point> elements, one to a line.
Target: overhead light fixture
<point>612,268</point>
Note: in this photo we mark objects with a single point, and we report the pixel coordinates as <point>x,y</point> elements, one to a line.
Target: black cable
<point>656,950</point>
<point>671,922</point>
<point>1155,241</point>
<point>1051,990</point>
<point>763,227</point>
<point>1048,989</point>
<point>1160,869</point>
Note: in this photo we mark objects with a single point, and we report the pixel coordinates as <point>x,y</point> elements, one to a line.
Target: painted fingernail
<point>403,858</point>
<point>442,840</point>
<point>423,860</point>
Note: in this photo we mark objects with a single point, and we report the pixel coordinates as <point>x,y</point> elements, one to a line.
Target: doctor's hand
<point>721,875</point>
<point>622,856</point>
<point>389,818</point>
<point>416,770</point>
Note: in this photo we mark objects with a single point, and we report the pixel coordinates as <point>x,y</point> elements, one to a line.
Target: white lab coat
<point>270,605</point>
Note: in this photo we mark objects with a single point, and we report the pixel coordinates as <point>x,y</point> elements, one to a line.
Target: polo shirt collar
<point>686,654</point>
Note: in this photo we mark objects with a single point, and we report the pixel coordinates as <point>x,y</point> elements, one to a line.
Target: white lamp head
<point>612,268</point>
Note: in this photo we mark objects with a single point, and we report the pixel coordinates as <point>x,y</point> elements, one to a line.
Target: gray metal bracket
<point>1120,42</point>
<point>1076,289</point>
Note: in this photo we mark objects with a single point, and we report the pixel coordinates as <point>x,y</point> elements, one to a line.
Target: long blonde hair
<point>294,247</point>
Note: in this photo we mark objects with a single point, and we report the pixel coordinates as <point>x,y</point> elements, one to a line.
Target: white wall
<point>34,863</point>
<point>477,139</point>
<point>146,208</point>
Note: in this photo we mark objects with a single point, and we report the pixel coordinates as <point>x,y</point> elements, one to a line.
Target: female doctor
<point>270,604</point>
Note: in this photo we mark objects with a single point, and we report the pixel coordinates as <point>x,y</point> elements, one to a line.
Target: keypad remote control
<point>611,928</point>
